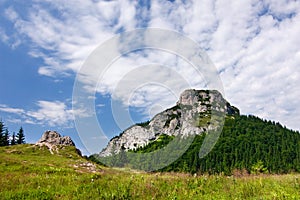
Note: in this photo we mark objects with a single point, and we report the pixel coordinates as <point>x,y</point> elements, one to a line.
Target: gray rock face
<point>192,114</point>
<point>54,138</point>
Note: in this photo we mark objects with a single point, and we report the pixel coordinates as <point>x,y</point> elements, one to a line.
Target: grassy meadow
<point>32,172</point>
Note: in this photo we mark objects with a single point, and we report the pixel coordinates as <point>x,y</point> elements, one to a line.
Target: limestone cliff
<point>192,114</point>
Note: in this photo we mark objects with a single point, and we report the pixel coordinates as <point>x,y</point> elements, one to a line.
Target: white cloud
<point>100,105</point>
<point>11,14</point>
<point>3,37</point>
<point>5,108</point>
<point>254,44</point>
<point>49,113</point>
<point>55,113</point>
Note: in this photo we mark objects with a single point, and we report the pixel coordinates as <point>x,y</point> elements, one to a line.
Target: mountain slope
<point>29,171</point>
<point>192,115</point>
<point>246,143</point>
<point>32,172</point>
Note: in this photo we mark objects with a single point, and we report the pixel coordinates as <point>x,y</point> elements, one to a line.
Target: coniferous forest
<point>247,144</point>
<point>6,138</point>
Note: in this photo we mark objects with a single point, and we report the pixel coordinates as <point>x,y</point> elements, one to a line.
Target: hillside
<point>32,172</point>
<point>190,116</point>
<point>245,143</point>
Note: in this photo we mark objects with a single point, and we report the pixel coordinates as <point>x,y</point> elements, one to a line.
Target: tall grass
<point>28,172</point>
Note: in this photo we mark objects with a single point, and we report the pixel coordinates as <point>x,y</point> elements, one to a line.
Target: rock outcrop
<point>192,114</point>
<point>52,139</point>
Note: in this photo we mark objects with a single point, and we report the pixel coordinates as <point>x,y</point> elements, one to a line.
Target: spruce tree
<point>2,143</point>
<point>13,139</point>
<point>6,138</point>
<point>21,136</point>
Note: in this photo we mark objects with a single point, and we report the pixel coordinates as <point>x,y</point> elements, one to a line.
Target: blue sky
<point>43,44</point>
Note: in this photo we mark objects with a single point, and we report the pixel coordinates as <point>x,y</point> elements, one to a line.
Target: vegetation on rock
<point>247,143</point>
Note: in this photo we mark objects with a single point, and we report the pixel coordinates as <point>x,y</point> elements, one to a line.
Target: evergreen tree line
<point>247,143</point>
<point>7,139</point>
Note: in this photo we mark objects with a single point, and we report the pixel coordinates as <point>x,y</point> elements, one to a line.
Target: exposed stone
<point>87,166</point>
<point>52,138</point>
<point>191,115</point>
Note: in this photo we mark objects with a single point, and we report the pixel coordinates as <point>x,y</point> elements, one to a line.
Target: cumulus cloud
<point>253,44</point>
<point>51,113</point>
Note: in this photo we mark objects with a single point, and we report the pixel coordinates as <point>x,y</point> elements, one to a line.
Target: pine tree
<point>13,139</point>
<point>2,143</point>
<point>21,136</point>
<point>6,138</point>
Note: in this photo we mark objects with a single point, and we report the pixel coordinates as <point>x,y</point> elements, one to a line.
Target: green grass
<point>30,172</point>
<point>161,142</point>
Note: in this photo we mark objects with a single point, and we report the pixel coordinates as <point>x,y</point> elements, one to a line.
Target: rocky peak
<point>52,139</point>
<point>191,115</point>
<point>191,96</point>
